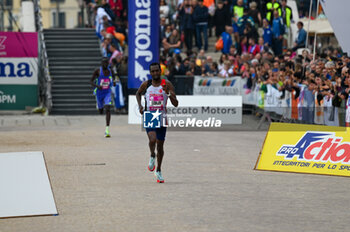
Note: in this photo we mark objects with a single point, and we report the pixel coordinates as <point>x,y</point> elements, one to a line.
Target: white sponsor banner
<point>25,185</point>
<point>191,101</point>
<point>20,71</point>
<point>217,86</point>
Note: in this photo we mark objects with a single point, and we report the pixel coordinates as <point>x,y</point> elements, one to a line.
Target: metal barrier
<point>44,76</point>
<point>183,85</point>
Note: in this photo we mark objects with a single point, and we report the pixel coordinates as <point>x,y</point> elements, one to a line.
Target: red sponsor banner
<point>18,44</point>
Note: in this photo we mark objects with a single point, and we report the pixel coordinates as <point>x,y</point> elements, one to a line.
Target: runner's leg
<point>108,114</point>
<point>160,154</point>
<point>152,142</point>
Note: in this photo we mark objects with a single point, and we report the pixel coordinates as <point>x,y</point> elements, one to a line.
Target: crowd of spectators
<point>255,39</point>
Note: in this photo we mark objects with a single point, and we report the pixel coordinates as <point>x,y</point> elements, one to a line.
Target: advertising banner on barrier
<point>217,86</point>
<point>196,112</point>
<point>18,44</point>
<point>306,149</point>
<point>18,70</point>
<point>21,71</point>
<point>143,40</point>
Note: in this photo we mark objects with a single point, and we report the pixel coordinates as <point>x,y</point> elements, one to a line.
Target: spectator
<point>100,13</point>
<point>194,69</point>
<point>210,4</point>
<point>200,17</point>
<point>117,7</point>
<point>172,43</point>
<point>105,5</point>
<point>226,71</point>
<point>123,67</point>
<point>255,14</point>
<point>213,71</point>
<point>243,46</point>
<point>238,11</point>
<point>164,10</point>
<point>267,35</point>
<point>201,55</point>
<point>221,19</point>
<point>253,47</point>
<point>244,71</point>
<point>222,60</point>
<point>300,41</point>
<point>227,39</point>
<point>251,32</point>
<point>309,102</point>
<point>261,45</point>
<point>115,53</point>
<point>162,28</point>
<point>106,44</point>
<point>204,67</point>
<point>287,16</point>
<point>233,51</point>
<point>111,30</point>
<point>89,5</point>
<point>187,23</point>
<point>272,6</point>
<point>277,34</point>
<point>209,60</point>
<point>244,21</point>
<point>184,67</point>
<point>167,32</point>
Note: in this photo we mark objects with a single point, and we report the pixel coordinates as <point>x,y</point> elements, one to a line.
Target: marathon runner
<point>103,80</point>
<point>156,93</point>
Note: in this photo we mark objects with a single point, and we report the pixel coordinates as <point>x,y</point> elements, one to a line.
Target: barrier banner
<point>302,148</point>
<point>143,40</point>
<point>217,86</point>
<point>18,70</point>
<point>18,44</point>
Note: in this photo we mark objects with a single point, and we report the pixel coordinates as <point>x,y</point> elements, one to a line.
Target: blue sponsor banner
<point>143,40</point>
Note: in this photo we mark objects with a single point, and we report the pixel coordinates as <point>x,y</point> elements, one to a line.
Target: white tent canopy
<point>318,26</point>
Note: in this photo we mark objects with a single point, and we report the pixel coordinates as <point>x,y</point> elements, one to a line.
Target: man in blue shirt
<point>300,41</point>
<point>277,33</point>
<point>267,35</point>
<point>227,39</point>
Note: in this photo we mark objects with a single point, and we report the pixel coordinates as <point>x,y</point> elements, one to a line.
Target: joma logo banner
<point>143,40</point>
<point>19,71</point>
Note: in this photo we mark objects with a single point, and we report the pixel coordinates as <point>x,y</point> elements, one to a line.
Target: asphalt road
<point>102,184</point>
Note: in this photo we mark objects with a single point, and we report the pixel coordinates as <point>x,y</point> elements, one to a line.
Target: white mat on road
<point>25,188</point>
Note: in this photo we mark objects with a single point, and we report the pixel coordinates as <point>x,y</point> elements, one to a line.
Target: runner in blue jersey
<point>156,96</point>
<point>103,81</point>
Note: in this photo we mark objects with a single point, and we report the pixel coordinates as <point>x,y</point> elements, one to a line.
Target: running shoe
<point>151,165</point>
<point>159,176</point>
<point>107,134</point>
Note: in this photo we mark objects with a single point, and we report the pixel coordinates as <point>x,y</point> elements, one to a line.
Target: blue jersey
<point>267,35</point>
<point>106,82</point>
<point>226,37</point>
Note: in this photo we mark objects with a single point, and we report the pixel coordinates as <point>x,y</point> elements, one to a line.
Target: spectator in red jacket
<point>253,47</point>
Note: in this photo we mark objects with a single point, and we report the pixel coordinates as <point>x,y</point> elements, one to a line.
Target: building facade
<point>69,15</point>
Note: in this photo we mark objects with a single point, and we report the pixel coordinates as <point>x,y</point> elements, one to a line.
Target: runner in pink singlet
<point>156,96</point>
